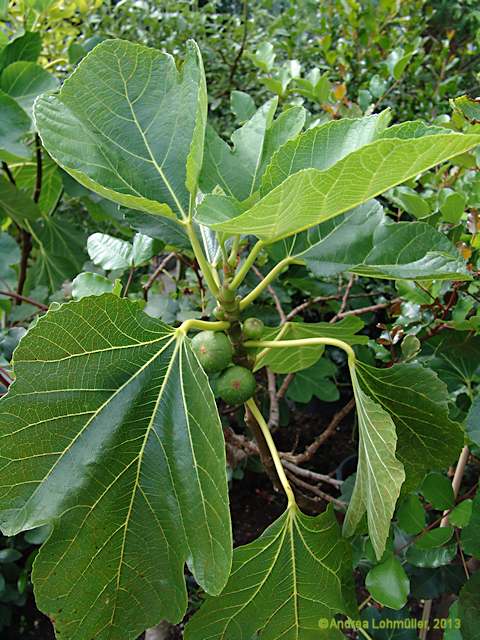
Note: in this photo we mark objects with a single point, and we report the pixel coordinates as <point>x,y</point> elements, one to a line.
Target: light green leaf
<point>452,205</point>
<point>410,201</point>
<point>238,171</point>
<point>310,196</point>
<point>380,474</point>
<point>14,125</point>
<point>291,359</point>
<point>455,357</point>
<point>17,204</point>
<point>129,126</point>
<point>367,242</point>
<point>113,253</point>
<point>25,47</point>
<point>93,284</point>
<point>416,400</point>
<point>323,146</point>
<point>114,437</point>
<point>242,105</point>
<point>296,573</point>
<point>25,80</point>
<point>388,583</point>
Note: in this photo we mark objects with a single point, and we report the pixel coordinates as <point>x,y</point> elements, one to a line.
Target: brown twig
<point>284,386</point>
<point>312,448</point>
<point>271,291</point>
<point>274,416</point>
<point>38,179</point>
<point>311,475</point>
<point>148,285</point>
<point>309,303</point>
<point>26,248</point>
<point>315,490</point>
<point>17,296</point>
<point>243,42</point>
<point>345,297</point>
<point>373,307</point>
<point>8,173</point>
<point>129,282</point>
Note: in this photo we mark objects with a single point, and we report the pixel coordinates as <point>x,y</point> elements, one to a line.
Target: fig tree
<point>213,350</point>
<point>253,328</point>
<point>236,385</point>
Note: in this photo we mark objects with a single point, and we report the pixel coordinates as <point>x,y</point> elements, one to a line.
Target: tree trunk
<point>160,632</point>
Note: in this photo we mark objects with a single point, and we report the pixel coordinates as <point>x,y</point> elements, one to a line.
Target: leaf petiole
<point>202,325</point>
<point>277,269</point>
<point>273,452</point>
<point>304,342</point>
<point>246,266</point>
<point>205,266</point>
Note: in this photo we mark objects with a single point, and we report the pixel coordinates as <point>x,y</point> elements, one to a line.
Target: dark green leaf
<point>431,558</point>
<point>471,533</point>
<point>434,538</point>
<point>271,590</point>
<point>417,402</point>
<point>17,204</point>
<point>437,489</point>
<point>14,125</point>
<point>24,47</point>
<point>129,93</point>
<point>24,81</point>
<point>468,607</point>
<point>114,437</point>
<point>411,515</point>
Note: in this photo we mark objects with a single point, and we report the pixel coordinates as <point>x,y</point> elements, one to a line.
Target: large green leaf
<point>238,171</point>
<point>323,146</point>
<point>14,125</point>
<point>291,359</point>
<point>282,585</point>
<point>10,252</point>
<point>110,432</point>
<point>365,241</point>
<point>417,402</point>
<point>25,80</point>
<point>129,126</point>
<point>380,474</point>
<point>311,196</point>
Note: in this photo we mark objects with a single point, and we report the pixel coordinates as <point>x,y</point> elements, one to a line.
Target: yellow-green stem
<point>304,342</point>
<point>202,325</point>
<point>246,266</point>
<point>253,295</point>
<point>273,451</point>
<point>205,266</point>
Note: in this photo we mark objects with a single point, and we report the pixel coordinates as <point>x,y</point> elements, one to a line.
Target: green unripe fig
<point>213,350</point>
<point>219,313</point>
<point>236,385</point>
<point>253,328</point>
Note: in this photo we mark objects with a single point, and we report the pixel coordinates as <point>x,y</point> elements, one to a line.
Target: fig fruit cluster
<point>214,351</point>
